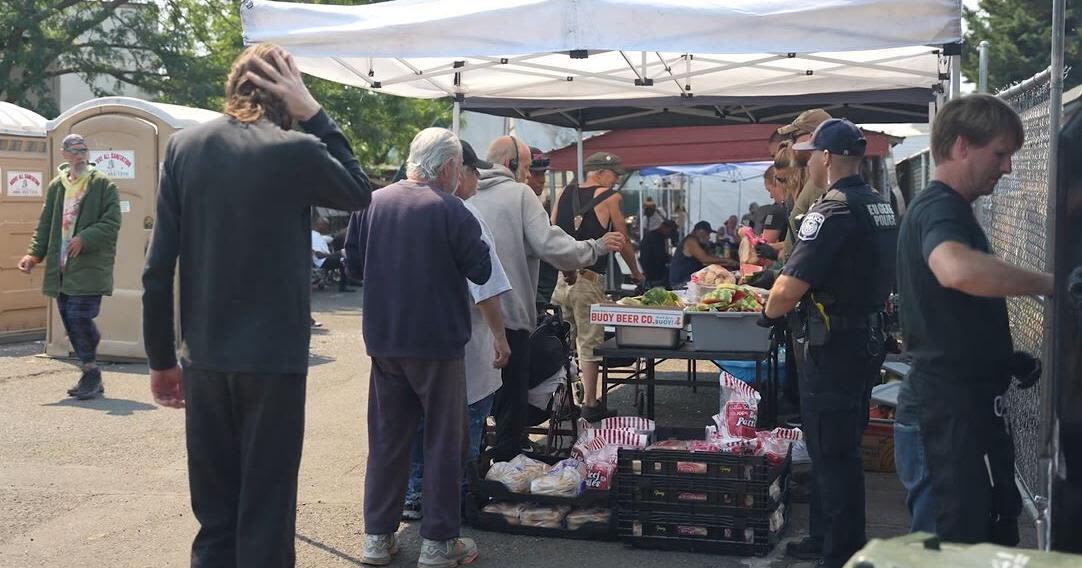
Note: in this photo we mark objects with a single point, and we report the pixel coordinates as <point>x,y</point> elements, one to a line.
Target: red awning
<point>647,147</point>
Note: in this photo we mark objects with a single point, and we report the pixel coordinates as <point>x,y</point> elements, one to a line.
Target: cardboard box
<point>877,446</point>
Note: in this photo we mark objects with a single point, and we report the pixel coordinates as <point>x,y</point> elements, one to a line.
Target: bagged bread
<point>563,480</point>
<point>575,519</point>
<point>509,511</point>
<point>543,517</point>
<point>512,477</point>
<point>533,468</point>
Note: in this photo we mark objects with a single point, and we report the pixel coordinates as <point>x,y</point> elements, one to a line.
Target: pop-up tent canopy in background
<point>606,64</point>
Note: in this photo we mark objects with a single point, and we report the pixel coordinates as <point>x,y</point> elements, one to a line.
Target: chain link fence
<point>1015,219</point>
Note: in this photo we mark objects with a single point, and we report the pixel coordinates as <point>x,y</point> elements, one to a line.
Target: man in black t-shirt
<point>950,437</point>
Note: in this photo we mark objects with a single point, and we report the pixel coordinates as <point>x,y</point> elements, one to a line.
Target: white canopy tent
<point>633,62</point>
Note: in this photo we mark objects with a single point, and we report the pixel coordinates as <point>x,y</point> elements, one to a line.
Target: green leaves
<point>178,51</point>
<point>1019,33</point>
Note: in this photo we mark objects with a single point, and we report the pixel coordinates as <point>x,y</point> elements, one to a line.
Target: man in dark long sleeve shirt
<point>234,208</point>
<point>415,246</point>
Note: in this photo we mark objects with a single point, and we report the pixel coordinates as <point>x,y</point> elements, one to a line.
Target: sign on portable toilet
<point>24,167</point>
<point>127,139</point>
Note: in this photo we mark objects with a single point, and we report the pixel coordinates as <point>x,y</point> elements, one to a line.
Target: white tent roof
<point>638,50</point>
<point>19,121</point>
<point>176,116</point>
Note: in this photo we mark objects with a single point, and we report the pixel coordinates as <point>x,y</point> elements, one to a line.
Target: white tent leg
<point>578,157</point>
<point>956,76</point>
<point>456,117</point>
<point>982,74</point>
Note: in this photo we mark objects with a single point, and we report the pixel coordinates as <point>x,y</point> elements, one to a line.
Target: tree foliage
<point>179,51</point>
<point>1019,33</point>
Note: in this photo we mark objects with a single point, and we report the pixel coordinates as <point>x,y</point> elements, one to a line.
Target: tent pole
<point>982,74</point>
<point>456,117</point>
<point>956,76</point>
<point>578,157</point>
<point>1048,449</point>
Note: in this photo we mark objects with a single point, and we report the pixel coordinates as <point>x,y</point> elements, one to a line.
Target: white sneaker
<point>447,553</point>
<point>378,549</point>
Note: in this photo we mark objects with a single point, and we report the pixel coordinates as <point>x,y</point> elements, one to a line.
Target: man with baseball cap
<point>799,131</point>
<point>691,256</point>
<point>76,238</point>
<point>539,168</point>
<point>841,272</point>
<point>587,211</point>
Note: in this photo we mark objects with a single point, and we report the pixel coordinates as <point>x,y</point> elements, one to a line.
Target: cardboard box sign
<point>877,446</point>
<point>617,315</point>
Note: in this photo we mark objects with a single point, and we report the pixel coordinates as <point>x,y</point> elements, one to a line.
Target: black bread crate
<point>486,489</point>
<point>734,535</point>
<point>477,518</point>
<point>697,465</point>
<point>707,497</point>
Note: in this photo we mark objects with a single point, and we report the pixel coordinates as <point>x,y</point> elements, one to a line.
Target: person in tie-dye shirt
<point>76,239</point>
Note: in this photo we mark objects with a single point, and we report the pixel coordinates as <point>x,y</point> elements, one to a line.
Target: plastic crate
<point>656,337</point>
<point>699,497</point>
<point>728,331</point>
<point>486,490</point>
<point>479,519</point>
<point>744,536</point>
<point>689,465</point>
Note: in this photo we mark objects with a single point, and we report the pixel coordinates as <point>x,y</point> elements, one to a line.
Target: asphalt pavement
<point>103,483</point>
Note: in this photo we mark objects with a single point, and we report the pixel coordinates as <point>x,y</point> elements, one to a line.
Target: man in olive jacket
<point>76,238</point>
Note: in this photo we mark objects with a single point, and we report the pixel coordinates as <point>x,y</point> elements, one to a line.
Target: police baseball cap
<point>837,136</point>
<point>469,157</point>
<point>805,123</point>
<point>603,161</point>
<point>539,161</point>
<point>703,226</point>
<point>74,144</point>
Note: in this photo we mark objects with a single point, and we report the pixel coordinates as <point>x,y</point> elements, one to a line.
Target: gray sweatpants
<point>400,392</point>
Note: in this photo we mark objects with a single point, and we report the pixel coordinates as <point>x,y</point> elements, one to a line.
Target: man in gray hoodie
<point>523,237</point>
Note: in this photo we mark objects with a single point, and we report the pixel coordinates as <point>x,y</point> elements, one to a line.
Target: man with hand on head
<point>244,308</point>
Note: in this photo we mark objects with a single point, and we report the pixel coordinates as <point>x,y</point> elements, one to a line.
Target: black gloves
<point>763,279</point>
<point>1025,368</point>
<point>763,250</point>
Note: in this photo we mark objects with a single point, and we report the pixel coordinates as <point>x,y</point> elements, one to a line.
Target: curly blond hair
<point>246,102</point>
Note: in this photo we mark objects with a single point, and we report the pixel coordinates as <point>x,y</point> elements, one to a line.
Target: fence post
<point>982,74</point>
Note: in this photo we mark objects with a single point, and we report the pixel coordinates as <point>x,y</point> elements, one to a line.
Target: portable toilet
<point>24,171</point>
<point>127,139</point>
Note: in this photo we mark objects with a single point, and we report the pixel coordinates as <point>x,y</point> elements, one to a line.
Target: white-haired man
<point>415,247</point>
<point>523,237</point>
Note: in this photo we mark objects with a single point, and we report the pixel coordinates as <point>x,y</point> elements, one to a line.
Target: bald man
<point>523,237</point>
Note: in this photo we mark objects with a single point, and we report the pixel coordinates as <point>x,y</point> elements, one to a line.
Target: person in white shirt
<point>653,216</point>
<point>322,256</point>
<point>487,351</point>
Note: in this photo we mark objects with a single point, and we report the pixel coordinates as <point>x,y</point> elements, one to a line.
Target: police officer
<point>841,271</point>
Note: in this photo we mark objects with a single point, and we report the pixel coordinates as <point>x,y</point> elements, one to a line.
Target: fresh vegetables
<point>729,298</point>
<point>654,297</point>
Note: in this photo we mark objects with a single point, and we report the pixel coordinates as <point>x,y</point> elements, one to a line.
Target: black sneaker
<point>93,386</point>
<point>805,549</point>
<point>82,382</point>
<point>596,413</point>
